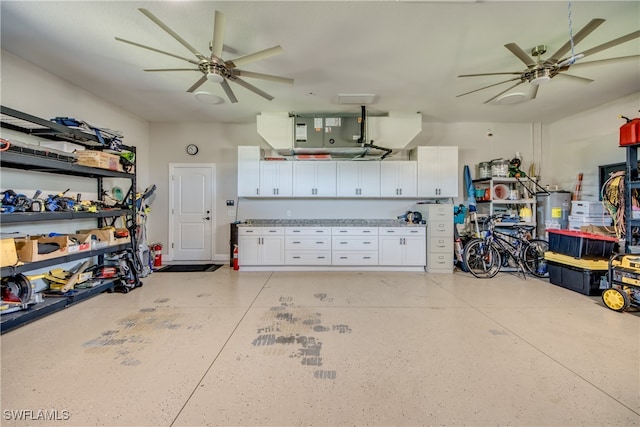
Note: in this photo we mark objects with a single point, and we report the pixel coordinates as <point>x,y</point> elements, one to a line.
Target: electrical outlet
<point>230,202</point>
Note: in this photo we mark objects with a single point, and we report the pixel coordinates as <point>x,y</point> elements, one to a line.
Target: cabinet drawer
<point>308,258</point>
<point>261,231</point>
<point>307,243</point>
<point>307,231</point>
<point>354,258</point>
<point>441,244</point>
<point>402,231</point>
<point>354,231</point>
<point>438,228</point>
<point>440,261</point>
<point>440,212</point>
<point>354,243</point>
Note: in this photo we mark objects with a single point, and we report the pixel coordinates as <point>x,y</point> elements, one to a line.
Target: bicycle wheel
<point>482,260</point>
<point>533,257</point>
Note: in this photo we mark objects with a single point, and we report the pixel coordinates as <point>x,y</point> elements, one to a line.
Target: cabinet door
<point>248,171</point>
<point>276,179</point>
<point>448,171</point>
<point>272,250</point>
<point>304,179</point>
<point>248,250</point>
<point>415,250</point>
<point>348,179</point>
<point>325,179</point>
<point>390,251</point>
<point>369,179</point>
<point>427,171</point>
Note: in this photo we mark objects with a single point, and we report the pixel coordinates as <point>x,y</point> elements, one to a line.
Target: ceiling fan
<point>213,67</point>
<point>541,71</point>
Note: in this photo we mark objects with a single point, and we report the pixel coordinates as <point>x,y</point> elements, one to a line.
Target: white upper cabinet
<point>276,178</point>
<point>358,179</point>
<point>248,171</point>
<point>314,179</point>
<point>398,178</point>
<point>437,171</point>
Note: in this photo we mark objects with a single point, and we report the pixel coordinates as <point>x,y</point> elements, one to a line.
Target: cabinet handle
<point>319,243</point>
<point>366,243</point>
<point>296,257</point>
<point>343,257</point>
<point>320,257</point>
<point>400,191</point>
<point>257,191</point>
<point>296,243</point>
<point>366,257</point>
<point>343,243</point>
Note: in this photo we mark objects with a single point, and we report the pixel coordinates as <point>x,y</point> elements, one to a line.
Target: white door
<point>191,212</point>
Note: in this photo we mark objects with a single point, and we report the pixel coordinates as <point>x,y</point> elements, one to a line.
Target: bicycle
<point>484,257</point>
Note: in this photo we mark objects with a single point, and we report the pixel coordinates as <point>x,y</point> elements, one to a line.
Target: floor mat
<point>188,268</point>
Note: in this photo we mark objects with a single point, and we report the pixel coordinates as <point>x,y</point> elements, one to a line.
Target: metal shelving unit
<point>631,183</point>
<point>519,183</point>
<point>33,159</point>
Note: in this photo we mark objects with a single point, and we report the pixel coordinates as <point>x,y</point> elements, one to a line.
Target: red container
<point>630,133</point>
<point>579,244</point>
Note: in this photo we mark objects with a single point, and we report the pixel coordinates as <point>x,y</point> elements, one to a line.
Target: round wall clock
<point>192,149</point>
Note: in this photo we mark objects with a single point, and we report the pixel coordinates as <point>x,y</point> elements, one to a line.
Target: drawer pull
<point>296,257</point>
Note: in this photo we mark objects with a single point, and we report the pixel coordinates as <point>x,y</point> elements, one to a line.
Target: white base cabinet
<point>402,246</point>
<point>307,246</point>
<point>440,225</point>
<point>260,246</point>
<point>329,247</point>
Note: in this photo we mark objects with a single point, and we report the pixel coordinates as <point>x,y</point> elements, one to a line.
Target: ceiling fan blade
<point>580,35</point>
<point>228,91</point>
<point>171,69</point>
<point>487,87</point>
<point>576,78</point>
<point>193,61</point>
<point>612,43</point>
<point>251,87</point>
<point>602,61</point>
<point>490,74</point>
<point>521,54</point>
<point>219,26</point>
<point>278,79</point>
<point>197,84</point>
<point>503,92</point>
<point>256,56</point>
<point>172,33</point>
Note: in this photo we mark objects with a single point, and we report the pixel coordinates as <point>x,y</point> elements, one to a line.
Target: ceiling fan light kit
<point>213,68</point>
<point>208,98</point>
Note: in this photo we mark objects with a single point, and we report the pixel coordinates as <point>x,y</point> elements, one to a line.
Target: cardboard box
<point>102,235</point>
<point>599,230</point>
<point>8,254</point>
<point>83,242</point>
<point>27,248</point>
<point>99,159</point>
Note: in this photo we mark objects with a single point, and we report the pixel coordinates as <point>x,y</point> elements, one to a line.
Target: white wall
<point>580,143</point>
<point>28,88</point>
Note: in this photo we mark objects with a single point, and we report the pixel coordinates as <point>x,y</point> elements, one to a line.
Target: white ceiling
<point>407,53</point>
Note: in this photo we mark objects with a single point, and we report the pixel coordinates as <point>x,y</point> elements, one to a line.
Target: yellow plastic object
<point>584,263</point>
<point>616,299</point>
<point>631,262</point>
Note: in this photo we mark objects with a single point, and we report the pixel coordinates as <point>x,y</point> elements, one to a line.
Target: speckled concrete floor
<point>326,348</point>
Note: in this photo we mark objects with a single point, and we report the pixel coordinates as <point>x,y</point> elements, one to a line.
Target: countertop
<point>327,223</point>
